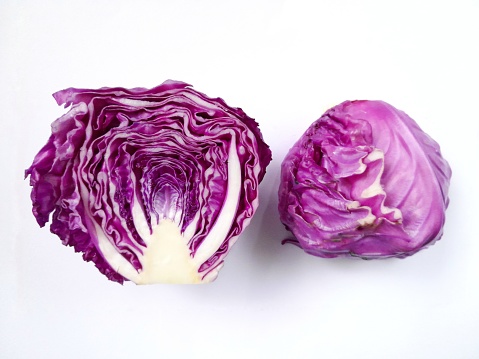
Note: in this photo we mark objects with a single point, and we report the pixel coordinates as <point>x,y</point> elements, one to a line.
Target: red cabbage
<point>152,185</point>
<point>366,181</point>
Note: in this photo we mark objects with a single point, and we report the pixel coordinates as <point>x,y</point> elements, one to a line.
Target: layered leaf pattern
<point>152,185</point>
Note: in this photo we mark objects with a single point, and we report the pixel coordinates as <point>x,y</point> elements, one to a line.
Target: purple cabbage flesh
<point>152,185</point>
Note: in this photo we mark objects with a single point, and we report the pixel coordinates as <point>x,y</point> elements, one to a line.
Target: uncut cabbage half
<point>365,181</point>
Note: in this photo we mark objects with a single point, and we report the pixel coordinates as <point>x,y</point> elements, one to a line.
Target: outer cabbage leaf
<point>364,180</point>
<point>152,185</point>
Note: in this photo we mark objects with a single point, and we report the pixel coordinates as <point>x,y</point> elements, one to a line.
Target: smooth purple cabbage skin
<point>168,144</point>
<point>326,197</point>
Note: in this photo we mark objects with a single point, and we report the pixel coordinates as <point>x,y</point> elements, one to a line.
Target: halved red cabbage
<point>151,185</point>
<point>364,180</point>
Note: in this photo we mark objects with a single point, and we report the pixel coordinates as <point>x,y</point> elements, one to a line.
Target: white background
<point>284,63</point>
